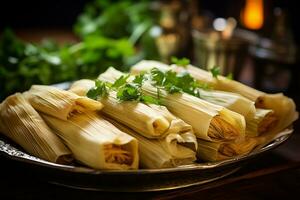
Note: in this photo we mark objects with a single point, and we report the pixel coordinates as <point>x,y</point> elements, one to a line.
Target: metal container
<point>212,50</point>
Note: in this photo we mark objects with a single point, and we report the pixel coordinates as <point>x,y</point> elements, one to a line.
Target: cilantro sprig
<point>100,90</point>
<point>174,82</point>
<point>215,71</point>
<point>126,90</point>
<point>180,61</point>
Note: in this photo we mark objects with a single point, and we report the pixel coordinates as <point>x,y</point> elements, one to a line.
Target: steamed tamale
<point>173,150</point>
<point>21,123</point>
<point>96,142</point>
<point>59,103</point>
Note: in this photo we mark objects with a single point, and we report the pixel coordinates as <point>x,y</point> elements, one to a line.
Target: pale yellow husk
<point>217,151</point>
<point>209,121</point>
<point>59,103</point>
<point>95,142</point>
<point>21,123</point>
<point>173,150</point>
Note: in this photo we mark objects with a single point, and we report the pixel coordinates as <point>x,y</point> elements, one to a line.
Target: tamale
<point>59,103</point>
<point>210,122</point>
<point>173,150</point>
<point>95,142</point>
<point>216,151</point>
<point>21,123</point>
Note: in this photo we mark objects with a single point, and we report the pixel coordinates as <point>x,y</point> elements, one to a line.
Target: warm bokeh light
<point>253,14</point>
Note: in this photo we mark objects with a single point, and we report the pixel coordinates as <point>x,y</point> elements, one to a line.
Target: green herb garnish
<point>215,71</point>
<point>100,90</point>
<point>126,91</point>
<point>149,100</point>
<point>181,62</point>
<point>129,92</point>
<point>122,80</point>
<point>173,82</point>
<point>139,79</point>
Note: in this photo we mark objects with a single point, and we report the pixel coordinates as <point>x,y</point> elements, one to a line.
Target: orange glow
<point>253,14</point>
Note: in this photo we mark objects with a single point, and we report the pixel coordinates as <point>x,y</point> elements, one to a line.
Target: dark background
<point>62,14</point>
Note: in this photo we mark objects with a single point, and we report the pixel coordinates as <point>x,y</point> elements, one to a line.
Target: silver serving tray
<point>141,180</point>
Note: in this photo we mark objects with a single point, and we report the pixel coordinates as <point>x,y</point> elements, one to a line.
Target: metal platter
<point>141,180</point>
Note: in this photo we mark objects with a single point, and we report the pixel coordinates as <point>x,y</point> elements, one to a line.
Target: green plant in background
<point>120,19</point>
<point>23,64</point>
<point>113,33</point>
<point>114,19</point>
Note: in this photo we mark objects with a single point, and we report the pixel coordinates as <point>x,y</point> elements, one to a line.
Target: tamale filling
<point>227,150</point>
<point>116,154</point>
<point>219,129</point>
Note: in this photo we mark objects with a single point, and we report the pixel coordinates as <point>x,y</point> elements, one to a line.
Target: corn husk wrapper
<point>95,142</point>
<point>59,103</point>
<point>173,150</point>
<point>263,122</point>
<point>231,101</point>
<point>21,123</point>
<point>217,151</point>
<point>210,122</point>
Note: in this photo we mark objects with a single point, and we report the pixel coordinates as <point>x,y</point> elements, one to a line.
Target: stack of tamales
<point>93,140</point>
<point>265,114</point>
<point>164,140</point>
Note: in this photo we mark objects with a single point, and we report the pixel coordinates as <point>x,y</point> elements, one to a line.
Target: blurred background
<point>46,42</point>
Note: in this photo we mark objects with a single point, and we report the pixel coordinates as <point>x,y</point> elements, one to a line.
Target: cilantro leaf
<point>181,62</point>
<point>139,79</point>
<point>122,80</point>
<point>157,76</point>
<point>215,71</point>
<point>149,100</point>
<point>100,90</point>
<point>129,92</point>
<point>172,89</point>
